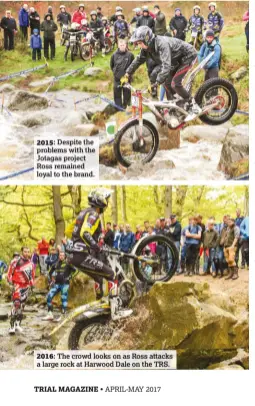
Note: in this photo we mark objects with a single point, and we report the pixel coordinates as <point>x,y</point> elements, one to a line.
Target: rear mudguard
<point>84,312</point>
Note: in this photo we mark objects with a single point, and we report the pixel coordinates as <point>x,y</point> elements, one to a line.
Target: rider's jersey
<point>96,26</point>
<point>164,51</point>
<point>121,28</point>
<point>215,22</point>
<point>196,23</point>
<point>87,229</point>
<point>62,273</point>
<point>64,18</point>
<point>21,272</point>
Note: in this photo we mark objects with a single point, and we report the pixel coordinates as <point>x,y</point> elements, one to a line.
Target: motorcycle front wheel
<point>129,148</point>
<point>85,52</point>
<point>73,53</point>
<point>108,45</point>
<point>89,332</point>
<point>222,91</point>
<point>162,256</point>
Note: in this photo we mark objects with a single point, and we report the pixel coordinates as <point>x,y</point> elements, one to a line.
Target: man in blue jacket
<point>24,21</point>
<point>244,230</point>
<point>213,65</point>
<point>127,240</point>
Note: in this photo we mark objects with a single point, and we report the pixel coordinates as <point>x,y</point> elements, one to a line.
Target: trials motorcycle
<point>137,140</point>
<point>153,259</point>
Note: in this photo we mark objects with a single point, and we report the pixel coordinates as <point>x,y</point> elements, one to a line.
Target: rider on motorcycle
<point>175,58</point>
<point>97,28</point>
<point>84,249</point>
<point>63,18</point>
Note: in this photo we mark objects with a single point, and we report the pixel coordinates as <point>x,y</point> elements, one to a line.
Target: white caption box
<point>66,158</point>
<point>105,360</point>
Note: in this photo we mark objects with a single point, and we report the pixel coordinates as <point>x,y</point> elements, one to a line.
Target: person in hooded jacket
<point>213,65</point>
<point>8,23</point>
<point>63,18</point>
<point>24,21</point>
<point>36,45</point>
<point>159,21</point>
<point>120,61</point>
<point>178,25</point>
<point>146,20</point>
<point>49,27</point>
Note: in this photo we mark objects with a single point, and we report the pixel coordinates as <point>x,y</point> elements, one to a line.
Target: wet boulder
<point>204,132</point>
<point>23,100</point>
<point>234,157</point>
<point>240,73</point>
<point>3,314</point>
<point>72,119</point>
<point>85,130</point>
<point>93,71</point>
<point>44,82</point>
<point>35,119</point>
<point>7,88</point>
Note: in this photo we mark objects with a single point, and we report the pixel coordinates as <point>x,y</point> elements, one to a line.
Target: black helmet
<point>209,33</point>
<point>143,34</point>
<point>98,198</point>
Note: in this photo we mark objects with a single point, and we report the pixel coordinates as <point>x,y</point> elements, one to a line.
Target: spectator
<point>199,222</point>
<point>120,27</point>
<point>52,243</point>
<point>246,30</point>
<point>160,21</point>
<point>184,248</point>
<point>113,18</point>
<point>175,230</point>
<point>215,21</point>
<point>244,231</point>
<point>8,23</point>
<point>117,235</point>
<point>63,18</point>
<point>138,233</point>
<point>109,235</point>
<point>146,224</point>
<point>193,238</point>
<point>210,242</point>
<point>196,25</point>
<point>230,246</point>
<point>127,240</point>
<point>52,258</point>
<point>97,28</point>
<point>152,245</point>
<point>138,13</point>
<point>43,252</point>
<point>34,20</point>
<point>146,19</point>
<point>49,27</point>
<point>79,15</point>
<point>3,269</point>
<point>50,11</point>
<point>35,258</point>
<point>238,221</point>
<point>178,25</point>
<point>99,13</point>
<point>157,226</point>
<point>120,61</point>
<point>213,65</point>
<point>24,21</point>
<point>219,260</point>
<point>36,45</point>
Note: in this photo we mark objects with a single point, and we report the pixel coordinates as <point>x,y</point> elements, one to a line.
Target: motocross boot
<point>235,276</point>
<point>230,273</point>
<point>193,109</point>
<point>12,326</point>
<point>117,311</point>
<point>18,326</point>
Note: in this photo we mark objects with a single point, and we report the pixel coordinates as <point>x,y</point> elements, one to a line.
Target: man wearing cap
<point>8,23</point>
<point>213,65</point>
<point>215,20</point>
<point>160,21</point>
<point>146,19</point>
<point>178,25</point>
<point>138,13</point>
<point>230,246</point>
<point>175,230</point>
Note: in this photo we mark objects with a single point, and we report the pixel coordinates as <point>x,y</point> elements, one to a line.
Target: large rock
<point>93,71</point>
<point>168,139</point>
<point>22,100</point>
<point>204,132</point>
<point>235,151</point>
<point>3,314</point>
<point>85,130</point>
<point>73,119</point>
<point>43,82</point>
<point>7,88</point>
<point>240,73</point>
<point>35,119</point>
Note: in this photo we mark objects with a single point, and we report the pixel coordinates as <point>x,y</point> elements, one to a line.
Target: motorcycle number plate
<point>135,101</point>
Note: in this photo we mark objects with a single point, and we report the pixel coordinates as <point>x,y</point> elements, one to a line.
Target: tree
<point>168,201</point>
<point>123,203</point>
<point>75,193</point>
<point>114,207</point>
<point>246,201</point>
<point>58,214</point>
<point>180,197</point>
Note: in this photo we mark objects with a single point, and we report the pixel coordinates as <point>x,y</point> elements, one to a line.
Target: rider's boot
<point>12,327</point>
<point>235,276</point>
<point>231,273</point>
<point>18,326</point>
<point>117,310</point>
<point>193,109</point>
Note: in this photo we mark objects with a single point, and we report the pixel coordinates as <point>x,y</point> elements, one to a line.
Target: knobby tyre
<point>120,154</point>
<point>74,339</point>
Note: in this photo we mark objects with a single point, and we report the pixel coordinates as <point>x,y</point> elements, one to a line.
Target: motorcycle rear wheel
<point>125,149</point>
<point>229,100</point>
<point>85,52</point>
<point>166,254</point>
<point>72,51</point>
<point>90,331</point>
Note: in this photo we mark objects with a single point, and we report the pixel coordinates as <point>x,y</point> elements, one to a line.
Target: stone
<point>85,130</point>
<point>93,71</point>
<point>196,133</point>
<point>235,151</point>
<point>23,100</point>
<point>7,88</point>
<point>73,119</point>
<point>3,314</point>
<point>35,119</point>
<point>43,82</point>
<point>240,73</point>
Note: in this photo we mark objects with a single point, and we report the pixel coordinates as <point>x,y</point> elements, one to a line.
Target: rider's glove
<point>124,79</point>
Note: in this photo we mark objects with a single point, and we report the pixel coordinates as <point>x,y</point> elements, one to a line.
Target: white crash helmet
<point>62,6</point>
<point>196,6</point>
<point>75,26</point>
<point>212,4</point>
<point>118,8</point>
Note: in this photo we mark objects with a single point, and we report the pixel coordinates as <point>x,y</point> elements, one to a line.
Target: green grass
<point>234,56</point>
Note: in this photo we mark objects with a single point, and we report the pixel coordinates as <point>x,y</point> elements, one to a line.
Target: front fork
<point>138,95</point>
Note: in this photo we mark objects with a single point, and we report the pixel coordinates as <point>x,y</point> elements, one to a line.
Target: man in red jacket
<point>43,252</point>
<point>79,15</point>
<point>21,274</point>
